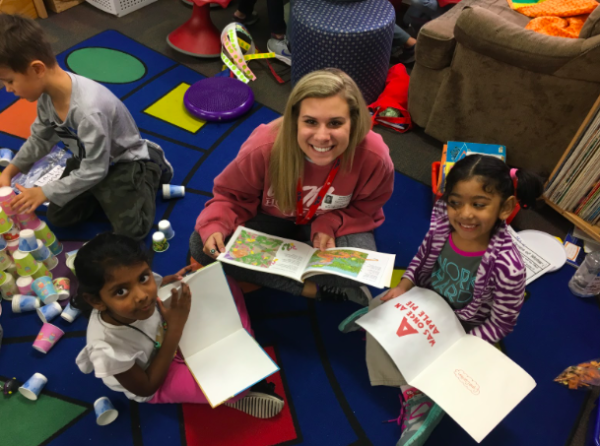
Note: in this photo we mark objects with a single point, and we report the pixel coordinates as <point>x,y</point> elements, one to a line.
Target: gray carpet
<point>412,152</point>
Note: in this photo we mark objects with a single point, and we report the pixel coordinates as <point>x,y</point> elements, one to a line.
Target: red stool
<point>198,36</point>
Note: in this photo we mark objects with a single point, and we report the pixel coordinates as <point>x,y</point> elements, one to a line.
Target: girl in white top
<point>133,347</point>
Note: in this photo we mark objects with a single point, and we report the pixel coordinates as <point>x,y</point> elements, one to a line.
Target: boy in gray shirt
<point>112,166</point>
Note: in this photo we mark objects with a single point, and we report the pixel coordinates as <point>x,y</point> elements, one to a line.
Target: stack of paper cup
<point>8,286</point>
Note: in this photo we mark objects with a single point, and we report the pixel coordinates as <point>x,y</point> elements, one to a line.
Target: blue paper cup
<point>22,304</point>
<point>49,312</point>
<point>105,411</point>
<point>164,226</point>
<point>172,191</point>
<point>33,386</point>
<point>42,252</point>
<point>3,243</point>
<point>6,156</point>
<point>44,289</point>
<point>69,314</point>
<point>27,241</point>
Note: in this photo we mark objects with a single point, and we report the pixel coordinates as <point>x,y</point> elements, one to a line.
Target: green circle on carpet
<point>106,65</point>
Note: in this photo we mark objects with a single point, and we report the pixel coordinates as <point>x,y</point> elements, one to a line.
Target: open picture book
<point>276,255</point>
<point>469,378</point>
<point>224,359</point>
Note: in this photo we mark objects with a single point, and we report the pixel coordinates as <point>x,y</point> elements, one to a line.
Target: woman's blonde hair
<point>287,159</point>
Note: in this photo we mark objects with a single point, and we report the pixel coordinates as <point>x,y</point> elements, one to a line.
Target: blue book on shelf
<point>458,150</point>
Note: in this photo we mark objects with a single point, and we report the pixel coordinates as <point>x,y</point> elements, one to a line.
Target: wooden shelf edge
<point>588,228</point>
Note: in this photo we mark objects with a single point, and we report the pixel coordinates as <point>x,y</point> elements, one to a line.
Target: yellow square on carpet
<point>170,109</point>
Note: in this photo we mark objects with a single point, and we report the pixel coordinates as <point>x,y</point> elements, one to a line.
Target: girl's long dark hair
<point>97,258</point>
<point>495,176</point>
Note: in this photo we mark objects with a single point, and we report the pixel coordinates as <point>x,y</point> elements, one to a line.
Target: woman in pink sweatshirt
<point>318,174</point>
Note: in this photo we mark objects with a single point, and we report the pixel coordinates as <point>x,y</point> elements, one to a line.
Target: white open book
<point>224,359</point>
<point>470,379</point>
<point>276,255</point>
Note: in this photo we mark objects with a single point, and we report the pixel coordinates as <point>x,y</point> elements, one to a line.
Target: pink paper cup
<point>24,285</point>
<point>13,245</point>
<point>47,337</point>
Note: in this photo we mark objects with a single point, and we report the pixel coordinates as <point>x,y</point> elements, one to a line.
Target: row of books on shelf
<point>454,151</point>
<point>575,184</point>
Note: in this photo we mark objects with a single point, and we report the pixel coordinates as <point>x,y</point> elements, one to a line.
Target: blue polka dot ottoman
<point>355,37</point>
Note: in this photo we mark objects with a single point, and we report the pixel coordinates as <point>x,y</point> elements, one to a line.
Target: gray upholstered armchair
<point>480,76</point>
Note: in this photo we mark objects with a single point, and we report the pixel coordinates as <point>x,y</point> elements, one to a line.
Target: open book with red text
<point>469,378</point>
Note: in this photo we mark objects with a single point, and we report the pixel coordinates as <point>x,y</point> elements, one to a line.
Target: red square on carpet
<point>224,426</point>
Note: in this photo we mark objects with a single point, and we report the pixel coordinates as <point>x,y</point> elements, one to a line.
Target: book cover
<point>458,150</point>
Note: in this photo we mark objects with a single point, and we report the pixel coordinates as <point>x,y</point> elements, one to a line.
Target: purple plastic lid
<point>218,98</point>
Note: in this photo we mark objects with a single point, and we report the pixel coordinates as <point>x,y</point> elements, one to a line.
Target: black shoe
<point>408,55</point>
<point>360,295</point>
<point>249,20</point>
<point>260,402</point>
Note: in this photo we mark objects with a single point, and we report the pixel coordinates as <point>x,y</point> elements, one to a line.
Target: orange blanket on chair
<point>561,18</point>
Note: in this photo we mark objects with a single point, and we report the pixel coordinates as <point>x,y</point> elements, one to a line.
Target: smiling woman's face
<point>324,128</point>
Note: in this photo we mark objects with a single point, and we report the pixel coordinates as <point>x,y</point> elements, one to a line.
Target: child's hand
<point>28,200</point>
<point>177,314</point>
<point>399,290</point>
<point>214,245</point>
<point>323,241</point>
<point>178,275</point>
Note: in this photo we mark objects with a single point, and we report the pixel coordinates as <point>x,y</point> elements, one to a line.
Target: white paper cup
<point>32,388</point>
<point>105,411</point>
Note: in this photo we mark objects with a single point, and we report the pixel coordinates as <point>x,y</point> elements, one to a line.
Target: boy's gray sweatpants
<point>127,195</point>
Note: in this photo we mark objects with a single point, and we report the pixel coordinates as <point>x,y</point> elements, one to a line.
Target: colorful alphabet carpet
<point>323,374</point>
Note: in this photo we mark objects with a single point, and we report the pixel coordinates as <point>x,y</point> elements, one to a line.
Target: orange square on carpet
<point>224,426</point>
<point>17,119</point>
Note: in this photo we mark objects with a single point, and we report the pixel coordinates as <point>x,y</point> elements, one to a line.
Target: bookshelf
<point>593,230</point>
